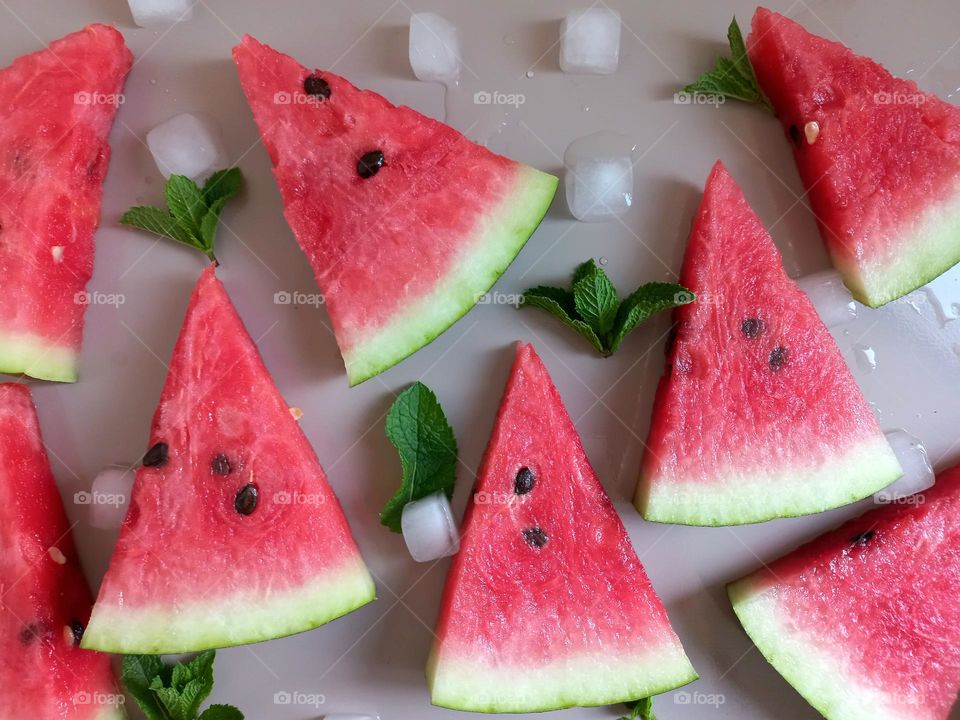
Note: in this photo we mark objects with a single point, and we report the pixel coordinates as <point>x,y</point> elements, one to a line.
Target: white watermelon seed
<point>57,556</point>
<point>812,131</point>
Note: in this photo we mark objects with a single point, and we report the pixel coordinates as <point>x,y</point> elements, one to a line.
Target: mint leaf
<point>595,297</point>
<point>221,712</point>
<point>173,692</point>
<point>642,303</point>
<point>733,77</point>
<point>424,439</point>
<point>192,213</point>
<point>640,710</point>
<point>593,310</point>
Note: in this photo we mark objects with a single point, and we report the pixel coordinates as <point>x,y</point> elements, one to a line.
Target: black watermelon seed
<point>246,500</point>
<point>370,164</point>
<point>221,465</point>
<point>863,538</point>
<point>316,86</point>
<point>535,537</point>
<point>156,456</point>
<point>751,327</point>
<point>778,357</point>
<point>524,481</point>
<point>76,628</point>
<point>794,131</point>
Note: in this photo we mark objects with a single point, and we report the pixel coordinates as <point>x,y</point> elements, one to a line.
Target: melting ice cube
<point>187,145</point>
<point>590,41</point>
<point>109,496</point>
<point>429,528</point>
<point>434,48</point>
<point>830,297</point>
<point>917,472</point>
<point>599,177</point>
<point>151,13</point>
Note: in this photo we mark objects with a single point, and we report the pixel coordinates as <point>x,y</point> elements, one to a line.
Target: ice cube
<point>590,41</point>
<point>830,297</point>
<point>434,48</point>
<point>152,13</point>
<point>429,529</point>
<point>109,496</point>
<point>917,473</point>
<point>187,145</point>
<point>599,177</point>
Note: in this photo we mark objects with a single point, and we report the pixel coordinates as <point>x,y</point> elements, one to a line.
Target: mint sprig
<point>192,212</point>
<point>640,710</point>
<point>592,308</point>
<point>425,441</point>
<point>174,692</point>
<point>733,77</point>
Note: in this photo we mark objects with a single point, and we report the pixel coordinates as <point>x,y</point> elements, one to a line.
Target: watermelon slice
<point>233,535</point>
<point>864,621</point>
<point>406,223</point>
<point>546,604</point>
<point>757,416</point>
<point>57,107</point>
<point>44,598</point>
<point>881,165</point>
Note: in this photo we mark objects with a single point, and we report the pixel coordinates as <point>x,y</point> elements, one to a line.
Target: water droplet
<point>153,82</point>
<point>530,74</point>
<point>603,261</point>
<point>509,40</point>
<point>586,108</point>
<point>866,357</point>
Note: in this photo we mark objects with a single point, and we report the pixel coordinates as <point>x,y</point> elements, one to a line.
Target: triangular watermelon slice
<point>44,598</point>
<point>546,605</point>
<point>881,164</point>
<point>757,415</point>
<point>57,107</point>
<point>406,223</point>
<point>233,535</point>
<point>865,621</point>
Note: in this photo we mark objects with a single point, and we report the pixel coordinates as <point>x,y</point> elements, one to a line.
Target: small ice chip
<point>187,145</point>
<point>590,41</point>
<point>917,472</point>
<point>109,496</point>
<point>434,48</point>
<point>429,529</point>
<point>153,13</point>
<point>830,297</point>
<point>599,177</point>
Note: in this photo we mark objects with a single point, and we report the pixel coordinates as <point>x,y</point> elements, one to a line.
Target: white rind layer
<point>28,354</point>
<point>735,497</point>
<point>466,683</point>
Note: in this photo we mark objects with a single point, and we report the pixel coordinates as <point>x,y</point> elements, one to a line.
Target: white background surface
<point>373,660</point>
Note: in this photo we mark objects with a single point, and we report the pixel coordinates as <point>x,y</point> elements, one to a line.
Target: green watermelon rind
<point>927,250</point>
<point>503,233</point>
<point>741,498</point>
<point>221,621</point>
<point>587,681</point>
<point>25,354</point>
<point>812,671</point>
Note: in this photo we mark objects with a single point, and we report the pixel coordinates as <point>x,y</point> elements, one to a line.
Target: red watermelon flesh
<point>546,605</point>
<point>233,534</point>
<point>44,598</point>
<point>57,106</point>
<point>403,254</point>
<point>864,621</point>
<point>883,172</point>
<point>757,416</point>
